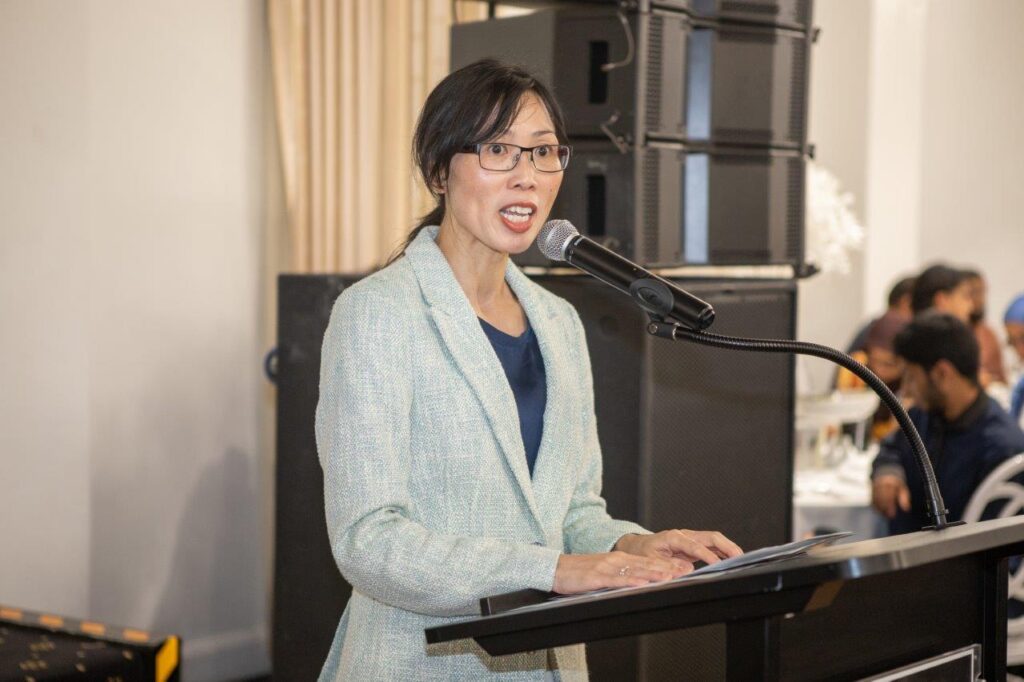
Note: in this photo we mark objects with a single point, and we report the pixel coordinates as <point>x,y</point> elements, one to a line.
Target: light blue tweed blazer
<point>430,505</point>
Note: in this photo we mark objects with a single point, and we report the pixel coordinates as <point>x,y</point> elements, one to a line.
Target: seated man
<point>966,433</point>
<point>879,356</point>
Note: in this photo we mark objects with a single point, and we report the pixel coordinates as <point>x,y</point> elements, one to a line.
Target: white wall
<point>830,304</point>
<point>131,227</point>
<point>44,307</point>
<point>896,70</point>
<point>972,142</point>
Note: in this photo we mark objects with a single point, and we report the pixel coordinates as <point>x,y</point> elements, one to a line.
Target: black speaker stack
<point>688,120</point>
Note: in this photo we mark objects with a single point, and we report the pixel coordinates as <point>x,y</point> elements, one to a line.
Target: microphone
<point>560,241</point>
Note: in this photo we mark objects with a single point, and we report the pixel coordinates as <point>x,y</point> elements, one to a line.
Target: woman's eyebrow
<point>538,133</point>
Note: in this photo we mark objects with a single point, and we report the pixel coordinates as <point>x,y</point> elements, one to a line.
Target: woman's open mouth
<point>518,217</point>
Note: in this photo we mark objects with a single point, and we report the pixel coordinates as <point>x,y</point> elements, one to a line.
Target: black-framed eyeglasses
<point>503,156</point>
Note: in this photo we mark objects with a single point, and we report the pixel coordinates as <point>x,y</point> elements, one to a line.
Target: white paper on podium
<point>766,554</point>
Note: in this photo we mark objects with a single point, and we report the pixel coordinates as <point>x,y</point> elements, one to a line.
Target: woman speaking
<point>456,424</point>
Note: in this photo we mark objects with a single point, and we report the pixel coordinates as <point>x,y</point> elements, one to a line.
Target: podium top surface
<point>853,561</point>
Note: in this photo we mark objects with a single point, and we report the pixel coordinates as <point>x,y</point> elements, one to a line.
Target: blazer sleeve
<point>588,528</point>
<point>362,432</point>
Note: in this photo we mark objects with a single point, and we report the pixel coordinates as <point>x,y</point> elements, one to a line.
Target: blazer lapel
<point>552,336</point>
<point>460,329</point>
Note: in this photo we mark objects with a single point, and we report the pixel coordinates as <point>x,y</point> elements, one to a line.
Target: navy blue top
<point>524,368</point>
<point>963,453</point>
<point>1017,400</point>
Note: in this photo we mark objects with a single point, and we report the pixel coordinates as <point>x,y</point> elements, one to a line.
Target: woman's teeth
<point>515,214</point>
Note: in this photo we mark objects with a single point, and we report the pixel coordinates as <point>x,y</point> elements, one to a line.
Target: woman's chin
<point>520,246</point>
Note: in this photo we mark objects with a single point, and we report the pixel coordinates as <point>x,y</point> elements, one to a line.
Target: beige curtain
<point>349,79</point>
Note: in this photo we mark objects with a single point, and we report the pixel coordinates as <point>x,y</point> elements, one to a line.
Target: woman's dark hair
<point>936,278</point>
<point>934,336</point>
<point>902,288</point>
<point>474,104</point>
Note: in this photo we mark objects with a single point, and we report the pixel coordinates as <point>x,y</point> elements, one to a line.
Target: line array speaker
<point>673,78</point>
<point>666,204</point>
<point>689,133</point>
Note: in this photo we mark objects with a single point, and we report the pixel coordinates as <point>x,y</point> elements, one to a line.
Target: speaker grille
<point>698,651</point>
<point>655,47</point>
<point>798,92</point>
<point>651,219</point>
<point>755,8</point>
<point>678,453</point>
<point>795,210</point>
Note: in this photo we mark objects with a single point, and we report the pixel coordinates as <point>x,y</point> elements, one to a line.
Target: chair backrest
<point>999,487</point>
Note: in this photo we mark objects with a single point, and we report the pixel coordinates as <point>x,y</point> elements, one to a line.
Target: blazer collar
<point>460,329</point>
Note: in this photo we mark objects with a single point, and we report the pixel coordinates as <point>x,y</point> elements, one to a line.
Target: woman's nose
<point>523,174</point>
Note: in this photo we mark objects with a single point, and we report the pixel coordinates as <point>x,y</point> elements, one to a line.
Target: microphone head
<point>554,237</point>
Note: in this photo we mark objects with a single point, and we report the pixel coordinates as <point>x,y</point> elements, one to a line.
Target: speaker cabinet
<point>667,204</point>
<point>567,48</point>
<point>747,85</point>
<point>713,81</point>
<point>692,437</point>
<point>309,592</point>
<point>692,151</point>
<point>784,13</point>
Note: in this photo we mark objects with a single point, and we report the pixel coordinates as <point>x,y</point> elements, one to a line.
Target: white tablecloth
<point>836,499</point>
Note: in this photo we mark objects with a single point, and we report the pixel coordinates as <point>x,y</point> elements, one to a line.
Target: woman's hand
<point>585,572</point>
<point>684,547</point>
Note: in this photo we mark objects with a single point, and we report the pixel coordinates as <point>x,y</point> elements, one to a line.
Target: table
<point>837,498</point>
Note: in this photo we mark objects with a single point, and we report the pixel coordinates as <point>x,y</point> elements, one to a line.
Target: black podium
<point>840,613</point>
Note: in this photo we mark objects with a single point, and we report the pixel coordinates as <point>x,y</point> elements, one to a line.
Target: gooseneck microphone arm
<point>936,507</point>
<point>560,241</point>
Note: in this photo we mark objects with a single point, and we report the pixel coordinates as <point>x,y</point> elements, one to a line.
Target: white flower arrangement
<point>832,229</point>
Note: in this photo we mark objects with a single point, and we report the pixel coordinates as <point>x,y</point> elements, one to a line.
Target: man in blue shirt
<point>966,433</point>
<point>1014,321</point>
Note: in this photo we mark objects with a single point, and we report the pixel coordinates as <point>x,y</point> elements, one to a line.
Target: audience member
<point>945,289</point>
<point>966,433</point>
<point>991,353</point>
<point>880,357</point>
<point>899,302</point>
<point>1014,321</point>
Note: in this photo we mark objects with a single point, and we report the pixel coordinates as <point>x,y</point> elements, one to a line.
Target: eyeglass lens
<point>549,158</point>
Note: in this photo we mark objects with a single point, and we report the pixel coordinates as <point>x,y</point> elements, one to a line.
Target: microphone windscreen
<point>554,237</point>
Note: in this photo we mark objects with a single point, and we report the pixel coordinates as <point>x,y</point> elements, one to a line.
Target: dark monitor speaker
<point>692,437</point>
<point>309,592</point>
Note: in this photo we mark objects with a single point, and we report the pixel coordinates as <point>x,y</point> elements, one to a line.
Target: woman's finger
<point>682,544</point>
<point>715,541</point>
